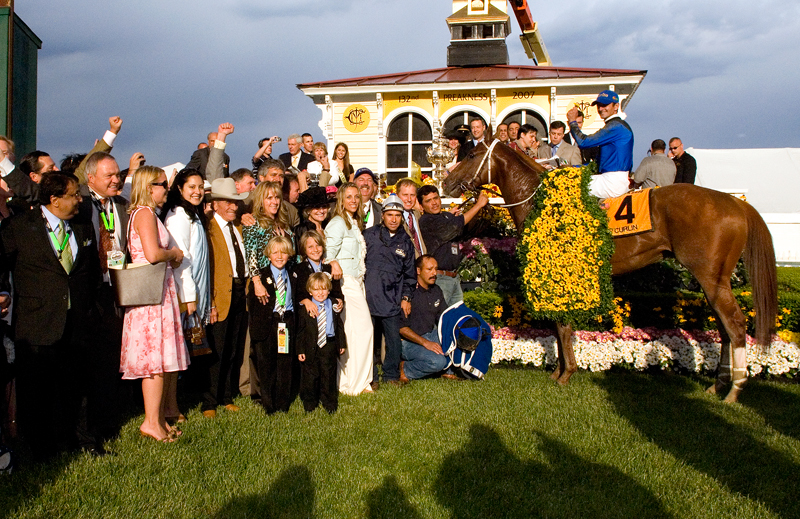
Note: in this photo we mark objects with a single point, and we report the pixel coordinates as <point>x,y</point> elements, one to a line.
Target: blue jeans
<point>389,329</point>
<point>421,362</point>
<point>451,287</point>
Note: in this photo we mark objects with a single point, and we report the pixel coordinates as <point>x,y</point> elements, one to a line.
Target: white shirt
<point>229,243</point>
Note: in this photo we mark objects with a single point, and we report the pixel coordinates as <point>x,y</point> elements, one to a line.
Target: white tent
<point>769,179</point>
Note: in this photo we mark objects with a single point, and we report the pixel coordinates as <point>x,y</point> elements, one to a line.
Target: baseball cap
<point>606,97</point>
<point>365,171</point>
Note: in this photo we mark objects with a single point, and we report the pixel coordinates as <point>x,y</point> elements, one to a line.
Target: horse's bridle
<point>469,186</point>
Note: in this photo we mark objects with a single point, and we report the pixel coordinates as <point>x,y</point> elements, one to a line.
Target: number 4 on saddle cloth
<point>466,339</point>
<point>629,214</point>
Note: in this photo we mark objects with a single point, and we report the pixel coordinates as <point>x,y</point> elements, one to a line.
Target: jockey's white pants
<point>609,184</point>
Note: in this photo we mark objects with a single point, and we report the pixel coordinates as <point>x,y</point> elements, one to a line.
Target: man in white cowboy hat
<point>228,328</point>
<point>615,140</point>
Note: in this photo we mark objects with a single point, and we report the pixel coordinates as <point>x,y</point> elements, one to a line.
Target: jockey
<point>615,140</point>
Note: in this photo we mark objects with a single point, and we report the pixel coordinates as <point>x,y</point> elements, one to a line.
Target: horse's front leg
<point>566,355</point>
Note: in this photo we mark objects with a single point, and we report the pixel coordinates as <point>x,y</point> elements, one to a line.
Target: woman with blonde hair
<point>346,252</point>
<point>153,348</point>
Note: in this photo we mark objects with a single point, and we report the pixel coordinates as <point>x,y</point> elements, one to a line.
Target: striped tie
<point>280,285</point>
<point>322,334</point>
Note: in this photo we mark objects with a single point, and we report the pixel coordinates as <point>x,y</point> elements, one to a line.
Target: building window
<point>528,117</point>
<point>407,140</point>
<point>457,119</point>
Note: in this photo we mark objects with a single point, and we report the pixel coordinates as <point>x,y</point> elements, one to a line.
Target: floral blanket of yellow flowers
<point>565,250</point>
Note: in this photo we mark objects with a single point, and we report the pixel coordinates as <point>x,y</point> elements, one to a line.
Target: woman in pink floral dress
<point>153,348</point>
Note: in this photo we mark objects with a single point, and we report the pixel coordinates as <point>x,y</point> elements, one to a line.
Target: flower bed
<point>635,349</point>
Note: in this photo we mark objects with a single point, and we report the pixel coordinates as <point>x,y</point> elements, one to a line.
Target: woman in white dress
<point>345,252</point>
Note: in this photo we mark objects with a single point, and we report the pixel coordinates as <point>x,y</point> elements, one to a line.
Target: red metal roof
<point>473,74</point>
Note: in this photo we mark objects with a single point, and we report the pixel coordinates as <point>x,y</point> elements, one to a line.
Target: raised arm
<point>215,168</point>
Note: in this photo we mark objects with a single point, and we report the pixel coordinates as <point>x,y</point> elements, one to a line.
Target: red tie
<point>413,232</point>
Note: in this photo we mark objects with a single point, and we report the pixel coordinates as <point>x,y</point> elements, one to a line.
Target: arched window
<point>407,140</point>
<point>528,117</point>
<point>459,118</point>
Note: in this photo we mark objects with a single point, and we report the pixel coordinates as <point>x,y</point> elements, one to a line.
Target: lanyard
<point>105,219</point>
<point>58,246</point>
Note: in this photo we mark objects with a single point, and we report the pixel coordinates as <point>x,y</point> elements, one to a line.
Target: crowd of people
<point>611,147</point>
<point>283,279</point>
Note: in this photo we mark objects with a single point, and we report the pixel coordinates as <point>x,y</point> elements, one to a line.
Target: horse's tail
<point>759,258</point>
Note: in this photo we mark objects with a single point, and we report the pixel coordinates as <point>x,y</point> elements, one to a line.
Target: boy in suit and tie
<point>320,340</point>
<point>272,329</point>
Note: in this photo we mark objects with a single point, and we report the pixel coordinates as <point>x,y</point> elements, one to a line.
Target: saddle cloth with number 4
<point>630,213</point>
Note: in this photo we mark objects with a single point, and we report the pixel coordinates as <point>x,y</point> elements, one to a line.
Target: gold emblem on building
<point>356,118</point>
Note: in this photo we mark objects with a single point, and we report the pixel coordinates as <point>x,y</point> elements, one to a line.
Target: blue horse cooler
<point>466,339</point>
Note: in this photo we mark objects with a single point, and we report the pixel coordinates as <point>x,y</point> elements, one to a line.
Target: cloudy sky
<point>720,74</point>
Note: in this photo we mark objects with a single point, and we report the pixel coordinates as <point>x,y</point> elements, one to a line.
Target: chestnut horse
<point>705,230</point>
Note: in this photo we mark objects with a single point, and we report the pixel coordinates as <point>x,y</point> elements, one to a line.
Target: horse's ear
<point>490,132</point>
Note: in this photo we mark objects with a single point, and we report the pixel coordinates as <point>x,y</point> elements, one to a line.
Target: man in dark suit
<point>296,157</point>
<point>477,130</point>
<point>56,272</point>
<point>229,275</point>
<point>199,159</point>
<point>106,212</point>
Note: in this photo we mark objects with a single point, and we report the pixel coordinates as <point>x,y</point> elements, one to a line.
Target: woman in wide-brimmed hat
<point>314,205</point>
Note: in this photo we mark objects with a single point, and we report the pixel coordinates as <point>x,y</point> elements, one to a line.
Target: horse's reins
<point>488,154</point>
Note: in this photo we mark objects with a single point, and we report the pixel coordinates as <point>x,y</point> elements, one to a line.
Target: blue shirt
<point>615,141</point>
<point>281,273</point>
<point>328,314</point>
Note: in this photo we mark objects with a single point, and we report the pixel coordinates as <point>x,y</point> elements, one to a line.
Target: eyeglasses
<point>164,184</point>
<point>76,196</point>
<point>673,148</point>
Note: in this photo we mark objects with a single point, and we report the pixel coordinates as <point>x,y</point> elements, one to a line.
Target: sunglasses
<point>673,148</point>
<point>164,184</point>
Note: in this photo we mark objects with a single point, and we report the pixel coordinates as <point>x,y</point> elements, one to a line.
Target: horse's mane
<point>538,168</point>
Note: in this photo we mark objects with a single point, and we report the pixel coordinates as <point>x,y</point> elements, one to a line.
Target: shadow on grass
<point>388,501</point>
<point>485,479</point>
<point>291,496</point>
<point>25,485</point>
<point>672,413</point>
<point>779,408</point>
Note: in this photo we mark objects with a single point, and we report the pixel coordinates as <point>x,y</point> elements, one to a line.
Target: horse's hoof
<point>563,380</point>
<point>712,389</point>
<point>736,389</point>
<point>556,374</point>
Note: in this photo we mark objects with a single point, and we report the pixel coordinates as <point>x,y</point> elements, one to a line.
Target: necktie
<point>105,236</point>
<point>65,250</point>
<point>413,232</point>
<point>237,252</point>
<point>367,209</point>
<point>554,149</point>
<point>280,292</point>
<point>322,334</point>
<point>296,160</point>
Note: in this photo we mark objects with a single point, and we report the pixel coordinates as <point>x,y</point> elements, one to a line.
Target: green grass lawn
<point>515,445</point>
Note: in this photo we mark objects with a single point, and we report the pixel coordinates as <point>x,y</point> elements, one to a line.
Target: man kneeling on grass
<point>422,352</point>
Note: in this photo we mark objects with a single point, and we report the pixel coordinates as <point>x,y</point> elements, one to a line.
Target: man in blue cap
<point>615,141</point>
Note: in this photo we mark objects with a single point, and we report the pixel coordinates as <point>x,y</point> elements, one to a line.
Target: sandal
<point>179,418</point>
<point>168,439</point>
